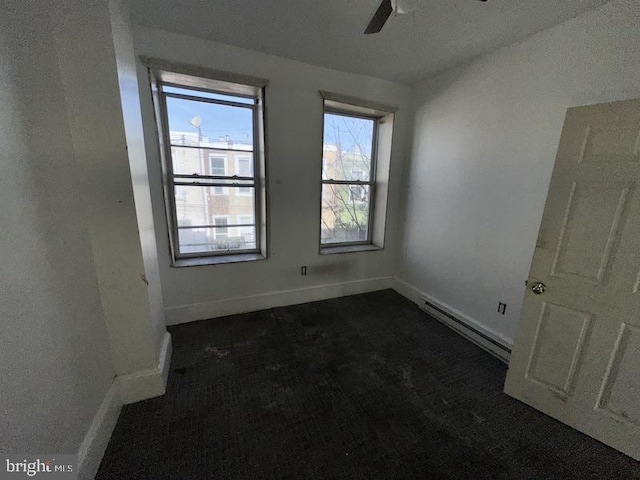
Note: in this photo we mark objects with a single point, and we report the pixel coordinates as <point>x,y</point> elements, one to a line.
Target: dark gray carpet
<point>362,387</point>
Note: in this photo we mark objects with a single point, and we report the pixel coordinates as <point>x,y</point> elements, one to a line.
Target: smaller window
<point>357,194</point>
<point>221,233</point>
<point>356,157</point>
<point>221,230</point>
<point>218,167</point>
<point>348,177</point>
<point>244,169</point>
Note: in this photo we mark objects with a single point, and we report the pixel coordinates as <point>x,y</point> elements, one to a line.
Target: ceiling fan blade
<point>380,17</point>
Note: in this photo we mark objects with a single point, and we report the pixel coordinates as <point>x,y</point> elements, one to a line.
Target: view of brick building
<point>217,217</point>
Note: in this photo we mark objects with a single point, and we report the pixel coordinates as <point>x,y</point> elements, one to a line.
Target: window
<point>357,193</point>
<point>243,169</point>
<point>208,127</point>
<point>222,231</point>
<point>218,167</point>
<point>355,168</point>
<point>348,178</point>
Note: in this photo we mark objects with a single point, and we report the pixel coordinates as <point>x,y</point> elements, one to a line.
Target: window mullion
<point>209,100</point>
<point>191,227</point>
<point>348,182</point>
<point>214,177</point>
<point>215,184</point>
<point>215,149</point>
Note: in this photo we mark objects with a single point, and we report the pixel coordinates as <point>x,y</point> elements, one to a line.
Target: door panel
<point>614,142</point>
<point>619,393</point>
<point>586,240</point>
<point>557,347</point>
<point>576,355</point>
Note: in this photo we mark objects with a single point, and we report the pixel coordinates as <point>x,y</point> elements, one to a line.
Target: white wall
<point>78,325</point>
<point>294,138</point>
<point>484,145</point>
<point>55,366</point>
<point>84,36</point>
<point>130,103</point>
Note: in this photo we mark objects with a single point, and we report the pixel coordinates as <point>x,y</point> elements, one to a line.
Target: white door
<point>577,352</point>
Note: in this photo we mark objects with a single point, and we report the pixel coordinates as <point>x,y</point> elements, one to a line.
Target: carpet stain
<point>217,351</point>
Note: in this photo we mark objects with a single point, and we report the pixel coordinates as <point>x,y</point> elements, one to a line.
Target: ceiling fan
<point>384,11</point>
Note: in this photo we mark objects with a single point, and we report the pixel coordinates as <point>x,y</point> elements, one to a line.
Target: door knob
<point>538,288</point>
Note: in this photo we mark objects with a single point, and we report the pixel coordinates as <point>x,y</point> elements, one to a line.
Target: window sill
<point>349,249</point>
<point>219,260</point>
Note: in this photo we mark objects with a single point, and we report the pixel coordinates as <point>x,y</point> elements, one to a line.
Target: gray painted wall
<point>484,146</point>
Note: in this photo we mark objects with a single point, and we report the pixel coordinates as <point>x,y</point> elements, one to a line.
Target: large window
<point>348,178</point>
<point>214,165</point>
<point>356,159</point>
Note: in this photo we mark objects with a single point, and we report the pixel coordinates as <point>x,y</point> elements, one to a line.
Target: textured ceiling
<point>437,35</point>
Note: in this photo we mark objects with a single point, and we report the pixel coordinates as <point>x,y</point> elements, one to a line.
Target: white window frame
<point>208,81</point>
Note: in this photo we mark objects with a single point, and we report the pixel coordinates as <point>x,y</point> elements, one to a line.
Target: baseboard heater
<point>503,352</point>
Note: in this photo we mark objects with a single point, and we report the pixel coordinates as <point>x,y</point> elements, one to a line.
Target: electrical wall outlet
<point>502,308</point>
<point>303,270</point>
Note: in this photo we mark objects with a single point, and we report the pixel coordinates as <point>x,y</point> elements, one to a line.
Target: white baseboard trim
<point>486,338</point>
<point>280,298</point>
<point>165,357</point>
<point>124,389</point>
<point>97,438</point>
<point>145,384</point>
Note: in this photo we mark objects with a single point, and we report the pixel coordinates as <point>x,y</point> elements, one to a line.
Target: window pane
<point>200,240</point>
<point>211,95</point>
<point>200,206</point>
<point>217,165</point>
<point>203,124</point>
<point>347,149</point>
<point>187,161</point>
<point>221,222</point>
<point>345,213</point>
